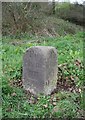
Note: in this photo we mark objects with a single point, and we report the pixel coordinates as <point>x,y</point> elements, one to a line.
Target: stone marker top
<point>43,49</point>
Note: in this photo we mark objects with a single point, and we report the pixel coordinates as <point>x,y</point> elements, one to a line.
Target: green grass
<point>15,102</point>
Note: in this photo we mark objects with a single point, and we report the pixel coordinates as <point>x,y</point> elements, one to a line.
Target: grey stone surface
<point>40,69</point>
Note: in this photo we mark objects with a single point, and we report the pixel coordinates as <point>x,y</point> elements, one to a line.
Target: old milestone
<point>40,69</point>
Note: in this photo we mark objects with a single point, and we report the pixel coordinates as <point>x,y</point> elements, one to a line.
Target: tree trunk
<point>53,5</point>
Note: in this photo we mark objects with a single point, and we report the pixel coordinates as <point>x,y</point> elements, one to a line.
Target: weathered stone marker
<point>40,69</point>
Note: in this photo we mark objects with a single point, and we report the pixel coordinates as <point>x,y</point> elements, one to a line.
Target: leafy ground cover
<point>65,101</point>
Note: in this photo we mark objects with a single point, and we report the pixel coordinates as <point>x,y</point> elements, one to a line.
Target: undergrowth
<point>64,102</point>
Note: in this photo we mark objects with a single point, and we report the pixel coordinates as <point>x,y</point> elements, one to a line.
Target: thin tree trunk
<point>53,5</point>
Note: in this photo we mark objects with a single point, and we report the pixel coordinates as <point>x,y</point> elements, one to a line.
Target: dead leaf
<point>14,94</point>
<point>55,109</point>
<point>79,90</point>
<point>54,103</point>
<point>45,105</point>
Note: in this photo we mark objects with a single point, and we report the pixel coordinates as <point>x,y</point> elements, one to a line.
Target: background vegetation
<point>30,24</point>
<point>38,18</point>
<point>71,12</point>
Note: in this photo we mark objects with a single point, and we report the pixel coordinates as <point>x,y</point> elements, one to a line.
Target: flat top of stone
<point>44,49</point>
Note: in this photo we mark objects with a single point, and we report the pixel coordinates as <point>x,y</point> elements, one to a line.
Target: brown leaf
<point>79,90</point>
<point>66,78</point>
<point>14,94</point>
<point>77,62</point>
<point>54,103</point>
<point>55,109</point>
<point>45,105</point>
<point>8,110</point>
<point>71,77</point>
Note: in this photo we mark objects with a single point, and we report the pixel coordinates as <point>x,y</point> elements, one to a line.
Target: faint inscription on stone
<point>40,69</point>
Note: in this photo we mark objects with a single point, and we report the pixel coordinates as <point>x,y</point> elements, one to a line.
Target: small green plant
<point>65,108</point>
